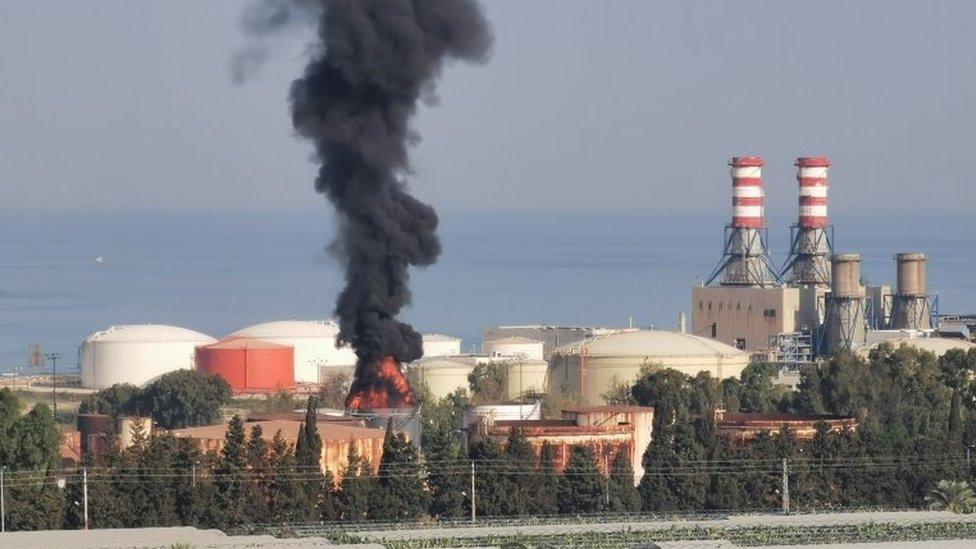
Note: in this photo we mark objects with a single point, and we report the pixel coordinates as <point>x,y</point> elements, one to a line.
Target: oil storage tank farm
<point>137,354</point>
<point>592,367</point>
<point>316,357</point>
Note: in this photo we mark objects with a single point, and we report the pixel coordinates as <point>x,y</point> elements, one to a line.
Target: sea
<point>65,275</point>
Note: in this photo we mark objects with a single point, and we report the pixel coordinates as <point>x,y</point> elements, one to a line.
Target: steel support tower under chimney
<point>745,257</point>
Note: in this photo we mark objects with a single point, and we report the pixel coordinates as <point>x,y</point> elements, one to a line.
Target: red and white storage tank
<point>317,358</point>
<point>249,364</point>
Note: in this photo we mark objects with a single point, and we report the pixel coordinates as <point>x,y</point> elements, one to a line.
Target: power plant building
<point>137,354</point>
<point>748,305</point>
<point>316,357</point>
<point>593,367</point>
<point>249,364</point>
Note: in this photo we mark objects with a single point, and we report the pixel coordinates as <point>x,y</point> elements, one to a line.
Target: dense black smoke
<point>374,60</point>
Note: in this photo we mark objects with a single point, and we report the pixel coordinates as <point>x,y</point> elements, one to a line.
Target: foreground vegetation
<point>916,417</point>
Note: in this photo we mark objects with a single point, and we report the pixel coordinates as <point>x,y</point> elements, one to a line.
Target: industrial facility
<point>817,303</point>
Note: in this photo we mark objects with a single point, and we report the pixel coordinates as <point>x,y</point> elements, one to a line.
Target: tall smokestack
<point>811,241</point>
<point>745,260</point>
<point>372,62</point>
<point>910,307</point>
<point>846,323</point>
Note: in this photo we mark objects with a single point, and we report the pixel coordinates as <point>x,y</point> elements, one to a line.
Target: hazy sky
<point>585,106</point>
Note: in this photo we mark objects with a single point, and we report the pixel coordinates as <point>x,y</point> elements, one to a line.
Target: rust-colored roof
<point>610,409</point>
<point>240,342</point>
<point>527,423</point>
<point>778,417</point>
<point>289,430</point>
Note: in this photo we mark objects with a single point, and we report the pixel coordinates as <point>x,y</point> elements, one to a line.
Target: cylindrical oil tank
<point>316,357</point>
<point>91,427</point>
<point>526,377</point>
<point>249,364</point>
<point>845,274</point>
<point>441,345</point>
<point>442,376</point>
<point>514,346</point>
<point>137,354</point>
<point>911,274</point>
<point>592,367</point>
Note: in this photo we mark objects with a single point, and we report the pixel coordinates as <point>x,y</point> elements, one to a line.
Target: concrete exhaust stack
<point>910,306</point>
<point>846,324</point>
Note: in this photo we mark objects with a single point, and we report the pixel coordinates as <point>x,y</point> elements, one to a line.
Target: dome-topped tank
<point>137,354</point>
<point>314,342</point>
<point>594,366</point>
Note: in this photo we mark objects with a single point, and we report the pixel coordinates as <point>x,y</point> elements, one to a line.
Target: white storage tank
<point>441,375</point>
<point>314,341</point>
<point>592,367</point>
<point>441,345</point>
<point>514,346</point>
<point>137,354</point>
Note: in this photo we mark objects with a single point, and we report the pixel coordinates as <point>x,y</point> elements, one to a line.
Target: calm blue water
<point>219,272</point>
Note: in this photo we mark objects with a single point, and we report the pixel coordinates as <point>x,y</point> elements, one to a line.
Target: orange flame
<point>388,389</point>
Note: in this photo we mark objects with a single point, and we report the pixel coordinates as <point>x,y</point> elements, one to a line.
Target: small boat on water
<point>99,259</point>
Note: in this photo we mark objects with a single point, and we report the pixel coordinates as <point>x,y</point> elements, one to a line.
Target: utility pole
<point>53,357</point>
<point>3,510</point>
<point>607,481</point>
<point>786,487</point>
<point>474,513</point>
<point>193,478</point>
<point>84,493</point>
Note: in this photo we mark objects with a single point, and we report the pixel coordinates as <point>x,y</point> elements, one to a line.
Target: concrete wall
<point>744,314</point>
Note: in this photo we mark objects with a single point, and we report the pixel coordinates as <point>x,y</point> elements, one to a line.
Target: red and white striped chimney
<point>747,192</point>
<point>812,175</point>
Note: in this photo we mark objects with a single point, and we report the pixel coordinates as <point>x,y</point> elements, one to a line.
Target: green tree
<point>488,383</point>
<point>522,481</point>
<point>285,494</point>
<point>352,500</point>
<point>491,492</point>
<point>399,492</point>
<point>185,398</point>
<point>230,477</point>
<point>581,486</point>
<point>954,496</point>
<point>308,460</point>
<point>447,479</point>
<point>546,500</point>
<point>757,392</point>
<point>257,456</point>
<point>624,496</point>
<point>117,400</point>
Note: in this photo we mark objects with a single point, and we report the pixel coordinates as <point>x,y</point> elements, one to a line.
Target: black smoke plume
<point>371,65</point>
